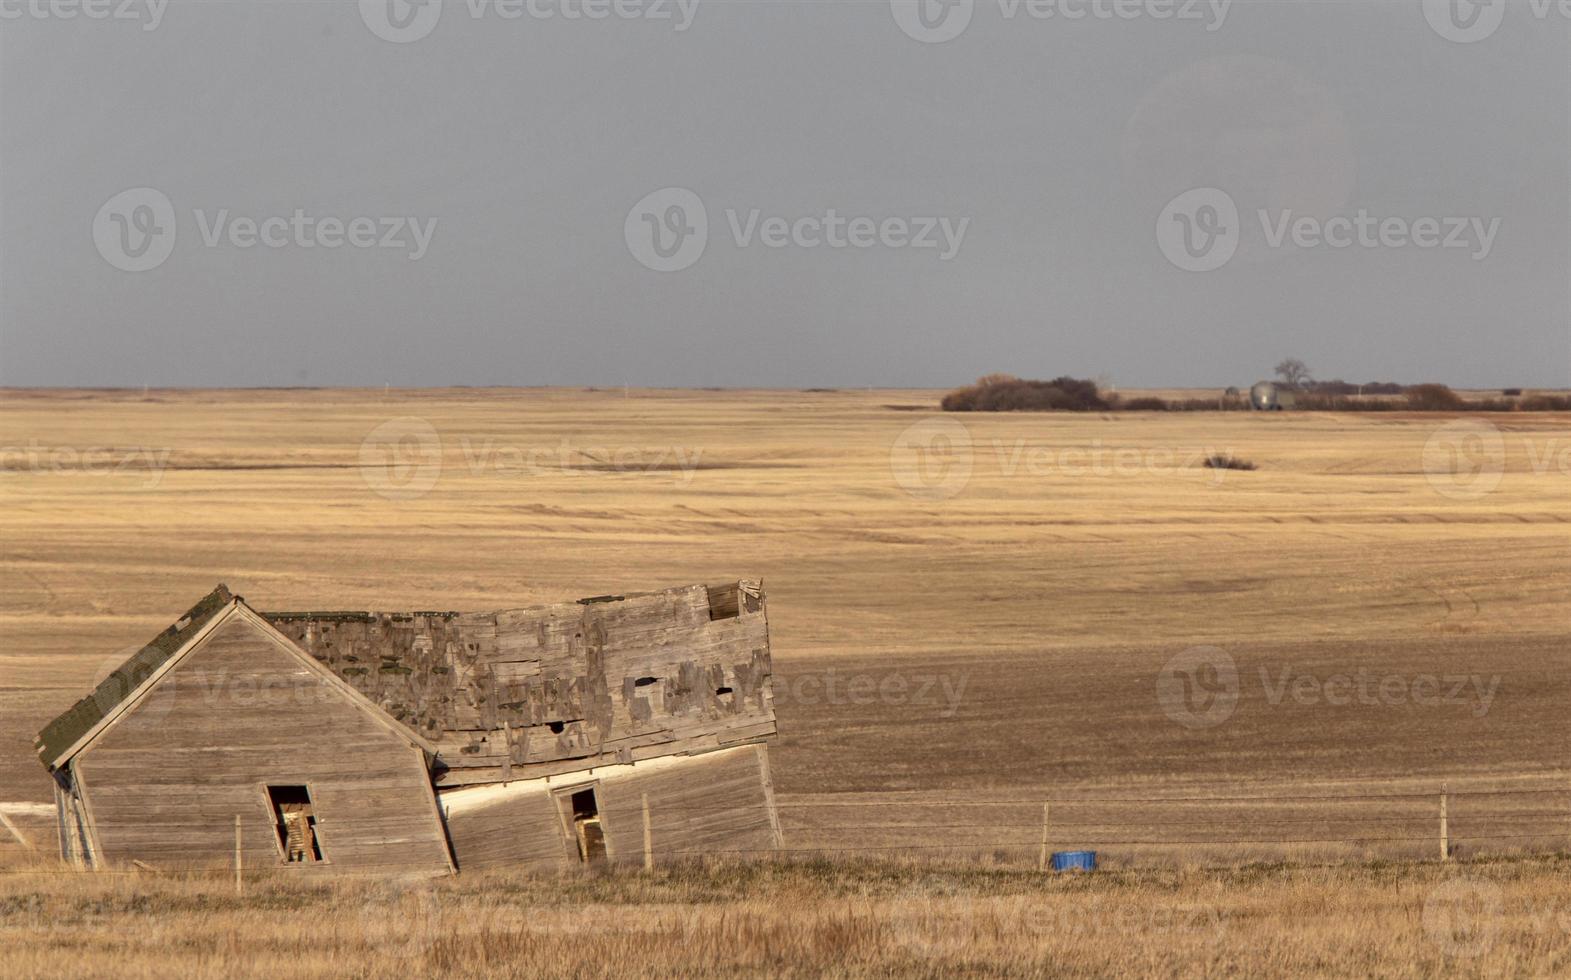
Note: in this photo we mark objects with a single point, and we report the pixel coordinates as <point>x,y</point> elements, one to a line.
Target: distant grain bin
<point>1266,396</point>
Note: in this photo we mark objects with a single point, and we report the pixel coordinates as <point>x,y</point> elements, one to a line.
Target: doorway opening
<point>581,813</point>
<point>295,821</point>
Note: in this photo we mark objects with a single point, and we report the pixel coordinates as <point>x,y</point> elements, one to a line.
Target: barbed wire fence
<point>1024,829</point>
<point>1537,817</point>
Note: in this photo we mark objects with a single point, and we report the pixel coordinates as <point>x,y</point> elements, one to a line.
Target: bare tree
<point>1293,372</point>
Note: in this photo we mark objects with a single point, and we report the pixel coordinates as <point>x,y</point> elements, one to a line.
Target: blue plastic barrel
<point>1074,860</point>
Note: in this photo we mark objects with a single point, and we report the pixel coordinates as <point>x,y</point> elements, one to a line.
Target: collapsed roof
<point>523,693</point>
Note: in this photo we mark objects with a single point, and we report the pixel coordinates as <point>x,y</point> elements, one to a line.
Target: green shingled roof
<point>62,733</point>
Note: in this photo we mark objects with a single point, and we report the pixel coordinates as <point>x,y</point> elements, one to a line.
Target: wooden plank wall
<point>164,784</point>
<point>520,694</point>
<point>710,805</point>
<point>521,833</point>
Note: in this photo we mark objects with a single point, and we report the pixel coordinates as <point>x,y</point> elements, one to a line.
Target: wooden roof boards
<point>65,731</point>
<point>517,693</point>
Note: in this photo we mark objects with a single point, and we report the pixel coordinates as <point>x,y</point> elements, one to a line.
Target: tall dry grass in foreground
<point>806,919</point>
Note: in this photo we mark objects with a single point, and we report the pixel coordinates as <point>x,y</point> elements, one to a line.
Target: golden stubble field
<point>970,613</point>
<point>843,918</point>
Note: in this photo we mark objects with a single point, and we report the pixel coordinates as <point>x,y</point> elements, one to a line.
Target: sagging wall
<point>71,823</point>
<point>525,693</point>
<point>164,784</point>
<point>718,804</point>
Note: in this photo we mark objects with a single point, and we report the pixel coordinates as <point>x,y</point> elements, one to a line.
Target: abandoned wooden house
<point>613,729</point>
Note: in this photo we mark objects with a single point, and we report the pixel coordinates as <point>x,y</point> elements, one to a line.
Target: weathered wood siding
<point>716,804</point>
<point>525,693</point>
<point>163,785</point>
<point>711,806</point>
<point>522,832</point>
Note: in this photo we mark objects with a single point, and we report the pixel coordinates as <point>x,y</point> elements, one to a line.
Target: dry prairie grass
<point>814,919</point>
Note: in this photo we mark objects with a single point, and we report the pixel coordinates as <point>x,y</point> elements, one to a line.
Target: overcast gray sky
<point>1049,154</point>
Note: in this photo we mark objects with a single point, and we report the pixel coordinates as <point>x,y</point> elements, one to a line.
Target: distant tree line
<point>1007,393</point>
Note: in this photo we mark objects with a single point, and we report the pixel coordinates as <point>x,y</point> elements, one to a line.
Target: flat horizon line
<point>803,389</point>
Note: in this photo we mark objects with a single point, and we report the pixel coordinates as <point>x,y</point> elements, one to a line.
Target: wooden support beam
<point>1041,860</point>
<point>239,860</point>
<point>649,845</point>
